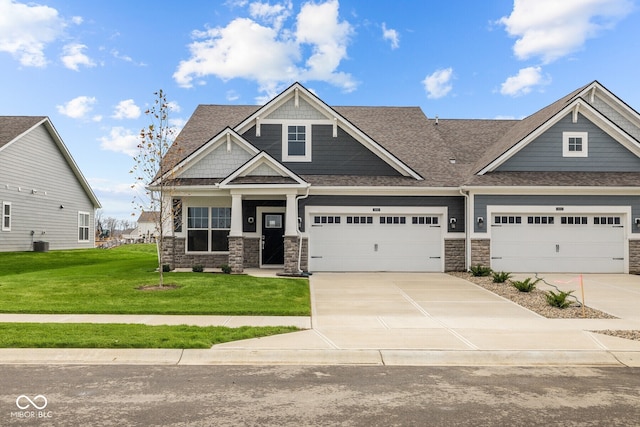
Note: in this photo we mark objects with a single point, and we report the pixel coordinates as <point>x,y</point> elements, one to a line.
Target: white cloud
<point>26,29</point>
<point>77,20</point>
<point>438,84</point>
<point>121,140</point>
<point>551,29</point>
<point>268,54</point>
<point>391,35</point>
<point>173,106</point>
<point>126,109</point>
<point>78,107</point>
<point>73,56</point>
<point>524,81</point>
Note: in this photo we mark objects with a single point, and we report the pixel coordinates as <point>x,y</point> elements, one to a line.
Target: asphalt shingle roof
<point>13,126</point>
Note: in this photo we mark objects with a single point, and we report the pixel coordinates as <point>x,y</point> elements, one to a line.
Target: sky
<point>93,66</point>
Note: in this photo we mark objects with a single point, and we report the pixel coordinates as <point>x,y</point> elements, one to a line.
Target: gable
<point>545,152</point>
<point>617,114</point>
<point>265,170</point>
<point>289,111</point>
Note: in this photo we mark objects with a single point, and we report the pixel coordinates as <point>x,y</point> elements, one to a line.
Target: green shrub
<point>526,285</point>
<point>480,270</point>
<point>226,269</point>
<point>197,269</point>
<point>501,276</point>
<point>558,299</point>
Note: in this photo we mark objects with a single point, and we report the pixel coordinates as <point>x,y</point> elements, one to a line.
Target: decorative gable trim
<point>297,92</point>
<point>257,166</point>
<point>596,89</point>
<point>228,137</point>
<point>577,105</point>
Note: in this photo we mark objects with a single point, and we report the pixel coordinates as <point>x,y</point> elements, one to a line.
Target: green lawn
<point>88,335</point>
<point>107,281</point>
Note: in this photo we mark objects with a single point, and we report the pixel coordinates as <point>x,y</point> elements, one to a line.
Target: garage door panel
<point>582,243</point>
<point>375,243</point>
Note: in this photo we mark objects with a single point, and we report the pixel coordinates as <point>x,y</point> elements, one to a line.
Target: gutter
<point>299,231</point>
<point>467,226</point>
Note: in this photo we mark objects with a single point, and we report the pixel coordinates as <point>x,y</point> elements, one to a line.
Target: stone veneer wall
<point>251,252</point>
<point>634,256</point>
<point>454,255</point>
<point>236,254</point>
<point>481,252</point>
<point>179,259</point>
<point>291,245</point>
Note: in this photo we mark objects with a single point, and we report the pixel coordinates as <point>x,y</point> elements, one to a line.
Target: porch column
<point>236,215</point>
<point>291,220</point>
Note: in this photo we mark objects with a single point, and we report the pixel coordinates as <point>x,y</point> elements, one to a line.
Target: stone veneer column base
<point>236,254</point>
<point>454,255</point>
<point>481,252</point>
<point>634,256</point>
<point>291,254</point>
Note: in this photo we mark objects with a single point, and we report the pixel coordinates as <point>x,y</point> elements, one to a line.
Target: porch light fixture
<point>480,221</point>
<point>637,221</point>
<point>452,222</point>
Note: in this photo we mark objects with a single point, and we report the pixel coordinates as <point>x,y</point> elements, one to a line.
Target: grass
<point>88,335</point>
<point>106,281</point>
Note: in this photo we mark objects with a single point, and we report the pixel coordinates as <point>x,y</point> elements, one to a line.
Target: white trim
<point>81,226</point>
<point>262,158</point>
<point>286,157</point>
<point>584,152</point>
<point>4,204</point>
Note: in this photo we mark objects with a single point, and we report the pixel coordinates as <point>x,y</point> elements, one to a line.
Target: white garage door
<point>365,242</point>
<point>557,243</point>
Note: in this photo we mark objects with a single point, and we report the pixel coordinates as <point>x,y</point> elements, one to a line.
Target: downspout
<point>300,231</point>
<point>467,229</point>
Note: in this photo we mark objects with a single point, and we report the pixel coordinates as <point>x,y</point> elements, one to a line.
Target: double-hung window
<point>296,143</point>
<point>83,226</point>
<point>208,229</point>
<point>6,216</point>
<point>575,144</point>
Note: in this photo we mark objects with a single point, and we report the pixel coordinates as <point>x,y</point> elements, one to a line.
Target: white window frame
<point>286,157</point>
<point>81,226</point>
<point>6,216</point>
<point>208,229</point>
<point>565,144</point>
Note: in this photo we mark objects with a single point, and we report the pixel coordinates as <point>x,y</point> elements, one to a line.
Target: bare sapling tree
<point>152,171</point>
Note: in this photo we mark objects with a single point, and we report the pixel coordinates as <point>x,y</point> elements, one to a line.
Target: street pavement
<point>411,319</point>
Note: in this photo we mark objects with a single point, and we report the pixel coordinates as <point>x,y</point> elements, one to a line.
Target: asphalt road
<point>318,395</point>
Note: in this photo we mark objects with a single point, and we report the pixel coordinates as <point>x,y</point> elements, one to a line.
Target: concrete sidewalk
<point>397,319</point>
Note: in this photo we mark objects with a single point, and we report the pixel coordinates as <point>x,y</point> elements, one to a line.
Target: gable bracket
<point>574,117</point>
<point>296,102</point>
<point>257,127</point>
<point>592,95</point>
<point>335,127</point>
<point>228,142</point>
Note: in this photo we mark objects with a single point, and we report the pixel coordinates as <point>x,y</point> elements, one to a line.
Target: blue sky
<point>93,66</point>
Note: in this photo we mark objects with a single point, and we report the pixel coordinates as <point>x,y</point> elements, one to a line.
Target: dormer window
<point>575,144</point>
<point>296,143</point>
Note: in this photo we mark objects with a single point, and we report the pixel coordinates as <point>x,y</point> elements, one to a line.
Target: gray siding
<point>342,155</point>
<point>455,205</point>
<point>35,162</point>
<point>545,153</point>
<point>481,202</point>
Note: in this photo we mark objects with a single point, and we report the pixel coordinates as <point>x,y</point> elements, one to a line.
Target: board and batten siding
<point>342,155</point>
<point>482,201</point>
<point>545,153</point>
<point>35,163</point>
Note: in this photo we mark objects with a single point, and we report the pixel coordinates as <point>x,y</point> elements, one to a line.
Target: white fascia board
<point>383,191</point>
<point>254,162</point>
<point>331,114</point>
<point>555,190</point>
<point>613,101</point>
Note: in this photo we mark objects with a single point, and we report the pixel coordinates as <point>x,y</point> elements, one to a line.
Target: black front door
<point>272,238</point>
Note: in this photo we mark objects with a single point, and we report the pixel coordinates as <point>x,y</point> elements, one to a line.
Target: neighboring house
<point>43,195</point>
<point>146,229</point>
<point>299,185</point>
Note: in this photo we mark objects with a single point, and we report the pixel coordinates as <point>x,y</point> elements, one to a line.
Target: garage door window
<point>606,220</point>
<point>574,220</point>
<point>428,220</point>
<point>540,220</point>
<point>359,220</point>
<point>507,220</point>
<point>393,220</point>
<point>326,219</point>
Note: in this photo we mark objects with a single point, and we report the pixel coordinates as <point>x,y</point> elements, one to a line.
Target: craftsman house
<point>46,201</point>
<point>299,185</point>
